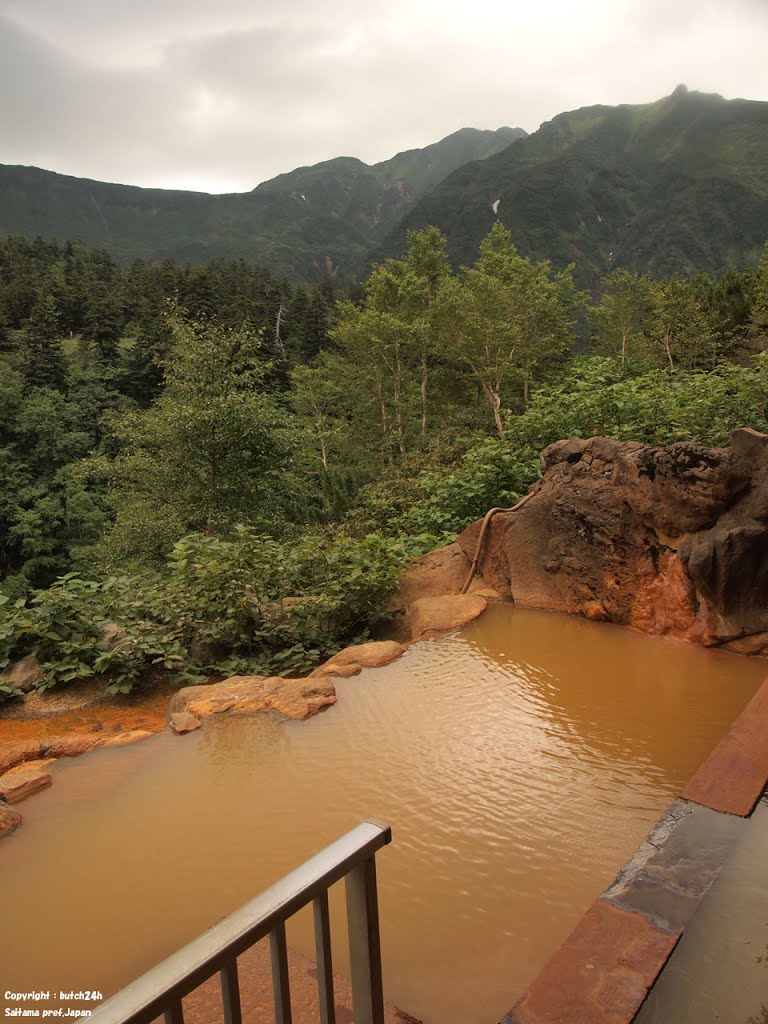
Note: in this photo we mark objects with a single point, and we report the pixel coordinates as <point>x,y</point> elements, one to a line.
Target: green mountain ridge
<point>304,224</point>
<point>676,186</point>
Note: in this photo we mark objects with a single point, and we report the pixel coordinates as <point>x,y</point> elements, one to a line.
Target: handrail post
<point>364,943</point>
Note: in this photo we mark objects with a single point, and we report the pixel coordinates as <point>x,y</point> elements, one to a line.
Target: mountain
<point>304,224</point>
<point>680,185</point>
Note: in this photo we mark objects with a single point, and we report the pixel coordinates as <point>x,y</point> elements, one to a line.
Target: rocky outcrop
<point>293,698</point>
<point>669,540</point>
<point>436,574</point>
<point>352,660</point>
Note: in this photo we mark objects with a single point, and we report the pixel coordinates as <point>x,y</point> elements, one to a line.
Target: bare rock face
<point>669,540</point>
<point>352,660</point>
<point>294,698</point>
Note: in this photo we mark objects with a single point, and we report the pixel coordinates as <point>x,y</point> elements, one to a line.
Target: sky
<point>218,95</point>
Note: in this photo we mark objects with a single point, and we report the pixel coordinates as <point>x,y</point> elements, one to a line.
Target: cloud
<point>185,93</point>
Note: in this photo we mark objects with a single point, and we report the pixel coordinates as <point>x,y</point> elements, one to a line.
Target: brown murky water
<point>519,762</point>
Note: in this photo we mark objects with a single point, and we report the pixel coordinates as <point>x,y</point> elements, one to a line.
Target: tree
<point>679,326</point>
<point>760,295</point>
<point>211,452</point>
<point>317,394</point>
<point>506,317</point>
<point>427,259</point>
<point>620,317</point>
<point>43,359</point>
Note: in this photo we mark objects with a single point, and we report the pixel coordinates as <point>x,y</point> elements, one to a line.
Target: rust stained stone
<point>602,972</point>
<point>735,773</point>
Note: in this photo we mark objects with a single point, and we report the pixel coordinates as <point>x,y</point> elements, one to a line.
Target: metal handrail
<point>351,857</point>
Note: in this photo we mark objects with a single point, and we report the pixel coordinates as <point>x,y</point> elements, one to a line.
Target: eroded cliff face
<point>669,540</point>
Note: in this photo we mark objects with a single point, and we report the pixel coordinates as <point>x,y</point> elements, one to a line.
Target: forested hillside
<point>181,448</point>
<point>309,224</point>
<point>677,186</point>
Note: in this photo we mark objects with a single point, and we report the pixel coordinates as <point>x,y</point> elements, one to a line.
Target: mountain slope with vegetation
<point>677,186</point>
<point>307,224</point>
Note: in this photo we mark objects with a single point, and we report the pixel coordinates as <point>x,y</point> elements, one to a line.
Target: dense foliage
<point>209,471</point>
<point>676,186</point>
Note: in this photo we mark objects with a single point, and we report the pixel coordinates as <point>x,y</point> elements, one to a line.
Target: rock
<point>757,643</point>
<point>115,638</point>
<point>22,781</point>
<point>438,614</point>
<point>184,721</point>
<point>9,819</point>
<point>342,671</point>
<point>70,745</point>
<point>112,634</point>
<point>435,574</point>
<point>17,751</point>
<point>667,540</point>
<point>351,660</point>
<point>24,674</point>
<point>294,698</point>
<point>123,739</point>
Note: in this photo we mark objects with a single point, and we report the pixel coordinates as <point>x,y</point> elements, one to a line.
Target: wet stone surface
<point>676,866</point>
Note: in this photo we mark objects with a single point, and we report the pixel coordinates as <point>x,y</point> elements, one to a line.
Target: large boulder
<point>293,698</point>
<point>666,539</point>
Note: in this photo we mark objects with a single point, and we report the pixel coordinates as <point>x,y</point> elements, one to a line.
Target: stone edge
<point>587,981</point>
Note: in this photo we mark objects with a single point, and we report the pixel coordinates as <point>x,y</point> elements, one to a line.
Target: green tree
<point>506,318</point>
<point>621,316</point>
<point>760,295</point>
<point>212,451</point>
<point>43,359</point>
<point>679,326</point>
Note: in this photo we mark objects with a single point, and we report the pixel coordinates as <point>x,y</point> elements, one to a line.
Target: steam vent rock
<point>669,540</point>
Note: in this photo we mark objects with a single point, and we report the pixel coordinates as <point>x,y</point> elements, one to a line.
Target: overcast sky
<point>218,95</point>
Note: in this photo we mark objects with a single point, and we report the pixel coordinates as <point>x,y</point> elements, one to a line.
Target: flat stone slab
<point>602,972</point>
<point>294,698</point>
<point>735,774</point>
<point>21,782</point>
<point>676,866</point>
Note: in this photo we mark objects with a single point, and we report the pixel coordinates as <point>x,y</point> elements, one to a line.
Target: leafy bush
<point>243,603</point>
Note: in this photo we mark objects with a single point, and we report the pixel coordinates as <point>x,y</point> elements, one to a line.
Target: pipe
<point>479,546</point>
